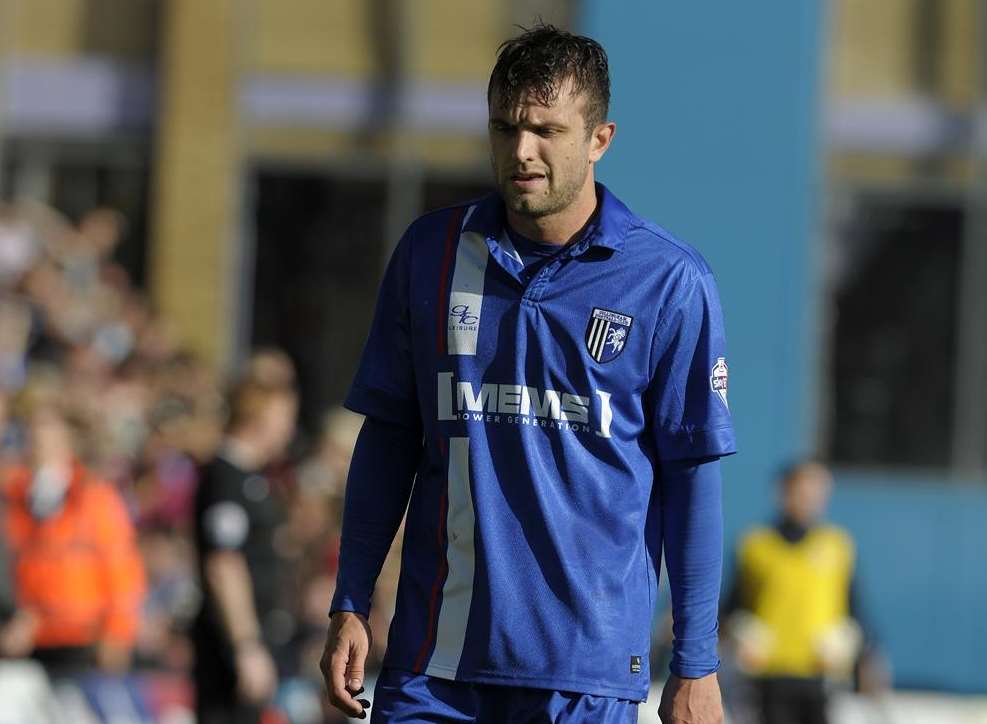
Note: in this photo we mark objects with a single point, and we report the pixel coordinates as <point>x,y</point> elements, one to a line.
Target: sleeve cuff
<point>342,601</point>
<point>693,672</point>
<point>689,444</point>
<point>698,661</point>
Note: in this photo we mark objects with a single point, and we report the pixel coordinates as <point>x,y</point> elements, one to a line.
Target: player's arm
<point>385,458</point>
<point>377,491</point>
<point>378,487</point>
<point>692,541</point>
<point>691,422</point>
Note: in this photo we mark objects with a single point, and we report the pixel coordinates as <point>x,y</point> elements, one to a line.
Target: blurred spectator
<point>19,245</point>
<point>9,436</point>
<point>15,330</point>
<point>324,473</point>
<point>791,614</point>
<point>270,366</point>
<point>78,574</point>
<point>237,517</point>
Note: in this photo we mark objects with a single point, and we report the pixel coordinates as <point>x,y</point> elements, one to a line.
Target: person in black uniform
<point>236,516</point>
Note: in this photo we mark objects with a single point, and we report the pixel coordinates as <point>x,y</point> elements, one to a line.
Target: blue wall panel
<point>716,140</point>
<point>717,114</point>
<point>923,581</point>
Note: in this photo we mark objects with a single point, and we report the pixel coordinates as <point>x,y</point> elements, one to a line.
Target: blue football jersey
<point>548,405</point>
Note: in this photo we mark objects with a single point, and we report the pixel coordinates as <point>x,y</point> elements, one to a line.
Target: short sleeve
<point>687,396</point>
<point>223,520</point>
<point>384,385</point>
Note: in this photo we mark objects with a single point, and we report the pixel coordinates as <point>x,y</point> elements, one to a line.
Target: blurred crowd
<point>106,420</point>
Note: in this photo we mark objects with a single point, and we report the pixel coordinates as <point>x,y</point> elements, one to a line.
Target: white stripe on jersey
<point>457,593</point>
<point>466,296</point>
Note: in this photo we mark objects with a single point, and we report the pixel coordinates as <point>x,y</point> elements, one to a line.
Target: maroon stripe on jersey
<point>440,577</point>
<point>442,307</point>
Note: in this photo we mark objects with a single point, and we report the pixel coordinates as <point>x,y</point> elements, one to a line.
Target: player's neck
<point>562,227</point>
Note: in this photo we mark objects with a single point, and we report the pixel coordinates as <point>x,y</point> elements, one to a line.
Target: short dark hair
<point>542,58</point>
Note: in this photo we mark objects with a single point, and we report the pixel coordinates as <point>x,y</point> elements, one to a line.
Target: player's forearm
<point>692,536</point>
<point>377,492</point>
<point>229,582</point>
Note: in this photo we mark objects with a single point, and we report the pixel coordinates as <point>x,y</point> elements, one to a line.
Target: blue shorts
<point>401,697</point>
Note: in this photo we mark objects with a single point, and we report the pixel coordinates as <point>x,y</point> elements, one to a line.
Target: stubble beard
<point>541,205</point>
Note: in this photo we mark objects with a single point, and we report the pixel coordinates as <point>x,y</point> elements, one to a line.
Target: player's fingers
<point>339,697</point>
<point>354,668</point>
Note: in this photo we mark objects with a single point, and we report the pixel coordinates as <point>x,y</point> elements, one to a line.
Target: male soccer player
<point>549,370</point>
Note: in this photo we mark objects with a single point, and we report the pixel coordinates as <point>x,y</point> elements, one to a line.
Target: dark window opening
<point>895,335</point>
<point>320,254</point>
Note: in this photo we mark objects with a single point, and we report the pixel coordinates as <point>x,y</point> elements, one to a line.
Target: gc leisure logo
<point>465,319</point>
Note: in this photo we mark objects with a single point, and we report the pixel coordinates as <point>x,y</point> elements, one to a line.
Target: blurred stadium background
<point>251,163</point>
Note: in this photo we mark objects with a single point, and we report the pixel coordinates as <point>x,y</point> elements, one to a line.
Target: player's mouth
<point>526,181</point>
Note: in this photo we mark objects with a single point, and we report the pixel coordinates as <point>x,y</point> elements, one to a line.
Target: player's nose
<point>524,146</point>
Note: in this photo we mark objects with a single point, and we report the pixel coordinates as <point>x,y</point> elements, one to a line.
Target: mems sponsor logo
<point>515,404</point>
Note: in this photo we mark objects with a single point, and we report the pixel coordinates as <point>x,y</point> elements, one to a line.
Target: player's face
<point>541,155</point>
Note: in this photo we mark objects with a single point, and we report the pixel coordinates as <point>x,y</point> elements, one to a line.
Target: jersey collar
<point>606,229</point>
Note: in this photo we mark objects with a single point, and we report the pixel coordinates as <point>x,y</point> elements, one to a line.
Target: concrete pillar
<point>195,200</point>
<point>5,41</point>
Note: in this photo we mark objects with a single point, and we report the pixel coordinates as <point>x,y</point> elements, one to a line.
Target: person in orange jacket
<point>78,575</point>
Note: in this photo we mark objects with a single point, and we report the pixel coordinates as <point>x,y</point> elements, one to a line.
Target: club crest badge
<point>718,379</point>
<point>606,334</point>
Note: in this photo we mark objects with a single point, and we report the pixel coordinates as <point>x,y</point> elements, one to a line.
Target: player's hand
<point>256,676</point>
<point>343,661</point>
<point>691,701</point>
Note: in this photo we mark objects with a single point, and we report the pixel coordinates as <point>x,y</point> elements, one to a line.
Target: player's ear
<point>600,140</point>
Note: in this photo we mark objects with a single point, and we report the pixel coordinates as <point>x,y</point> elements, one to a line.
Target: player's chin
<point>526,204</point>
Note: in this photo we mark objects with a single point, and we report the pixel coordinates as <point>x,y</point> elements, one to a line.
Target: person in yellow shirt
<point>790,616</point>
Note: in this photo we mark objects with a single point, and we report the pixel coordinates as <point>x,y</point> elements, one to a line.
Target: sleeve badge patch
<point>606,334</point>
<point>227,525</point>
<point>718,379</point>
